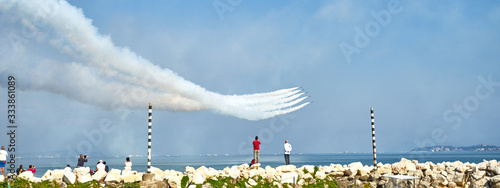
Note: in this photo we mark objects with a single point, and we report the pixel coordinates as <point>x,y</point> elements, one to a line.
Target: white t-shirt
<point>101,166</point>
<point>68,169</point>
<point>3,155</point>
<point>128,165</point>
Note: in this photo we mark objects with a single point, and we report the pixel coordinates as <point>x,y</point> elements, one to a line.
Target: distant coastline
<point>482,147</point>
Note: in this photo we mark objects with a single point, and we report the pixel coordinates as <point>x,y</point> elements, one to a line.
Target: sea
<point>221,161</point>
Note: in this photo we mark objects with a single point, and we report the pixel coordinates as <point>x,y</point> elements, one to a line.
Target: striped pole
<point>149,137</point>
<point>373,138</point>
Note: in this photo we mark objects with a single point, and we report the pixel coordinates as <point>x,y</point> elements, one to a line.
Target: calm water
<point>219,162</point>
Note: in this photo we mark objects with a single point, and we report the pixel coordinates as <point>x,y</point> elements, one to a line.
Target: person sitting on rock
<point>32,169</point>
<point>128,164</point>
<point>68,168</point>
<point>106,167</point>
<point>20,170</point>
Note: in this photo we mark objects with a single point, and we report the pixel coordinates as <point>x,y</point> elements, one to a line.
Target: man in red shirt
<point>256,149</point>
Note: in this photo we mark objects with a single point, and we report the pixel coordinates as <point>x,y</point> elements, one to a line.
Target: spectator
<point>106,167</point>
<point>128,164</point>
<point>3,160</point>
<point>68,168</point>
<point>20,170</point>
<point>81,160</point>
<point>32,169</point>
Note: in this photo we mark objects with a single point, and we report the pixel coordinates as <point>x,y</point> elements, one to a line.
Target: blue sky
<point>422,70</point>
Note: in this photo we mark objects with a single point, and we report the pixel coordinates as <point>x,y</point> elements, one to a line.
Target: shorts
<point>2,164</point>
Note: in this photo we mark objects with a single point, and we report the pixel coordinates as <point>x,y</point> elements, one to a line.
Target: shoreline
<point>445,174</point>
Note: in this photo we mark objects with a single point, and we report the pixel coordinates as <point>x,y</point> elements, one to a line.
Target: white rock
<point>59,173</point>
<point>286,168</point>
<point>157,171</point>
<point>494,169</point>
<point>482,165</point>
<point>189,170</point>
<point>252,182</point>
<point>355,166</point>
<point>301,182</point>
<point>289,177</point>
<point>69,178</point>
<point>112,177</point>
<point>309,168</point>
<point>115,171</point>
<point>320,175</point>
<point>243,167</point>
<point>255,166</point>
<point>84,179</point>
<point>308,176</point>
<point>198,178</point>
<point>99,175</point>
<point>2,178</point>
<point>234,172</point>
<point>82,171</point>
<point>26,175</point>
<point>495,179</point>
<point>130,178</point>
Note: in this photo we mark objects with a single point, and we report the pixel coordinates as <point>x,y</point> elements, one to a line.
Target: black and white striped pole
<point>149,137</point>
<point>373,140</point>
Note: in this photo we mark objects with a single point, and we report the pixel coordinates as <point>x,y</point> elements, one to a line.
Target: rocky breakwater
<point>428,174</point>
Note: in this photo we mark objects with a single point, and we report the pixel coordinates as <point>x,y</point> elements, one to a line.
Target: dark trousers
<point>287,159</point>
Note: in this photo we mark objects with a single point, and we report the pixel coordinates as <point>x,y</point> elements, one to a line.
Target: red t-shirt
<point>256,145</point>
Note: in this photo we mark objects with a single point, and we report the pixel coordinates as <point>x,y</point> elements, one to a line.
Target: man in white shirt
<point>288,148</point>
<point>3,160</point>
<point>100,166</point>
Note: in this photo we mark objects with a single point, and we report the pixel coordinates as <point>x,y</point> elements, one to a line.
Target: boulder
<point>320,175</point>
<point>350,172</point>
<point>301,182</point>
<point>84,179</point>
<point>234,172</point>
<point>479,174</point>
<point>355,166</point>
<point>57,174</point>
<point>69,178</point>
<point>456,177</point>
<point>480,183</point>
<point>255,166</point>
<point>243,167</point>
<point>130,178</point>
<point>308,176</point>
<point>309,168</point>
<point>112,177</point>
<point>384,169</point>
<point>252,182</point>
<point>482,165</point>
<point>189,170</point>
<point>26,175</point>
<point>338,174</point>
<point>115,171</point>
<point>286,168</point>
<point>495,179</point>
<point>439,179</point>
<point>494,169</point>
<point>289,177</point>
<point>100,174</point>
<point>198,178</point>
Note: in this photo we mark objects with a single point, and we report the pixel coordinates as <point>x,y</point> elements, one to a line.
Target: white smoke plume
<point>95,66</point>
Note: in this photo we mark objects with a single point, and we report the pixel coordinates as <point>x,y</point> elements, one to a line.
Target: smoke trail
<point>96,64</point>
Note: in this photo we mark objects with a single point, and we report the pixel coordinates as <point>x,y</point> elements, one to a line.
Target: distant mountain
<point>453,148</point>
